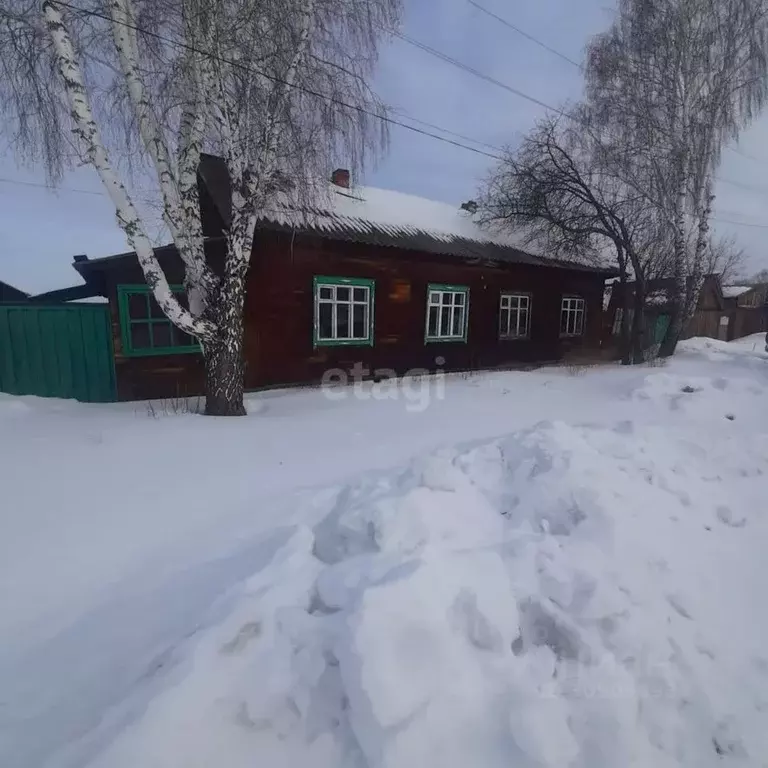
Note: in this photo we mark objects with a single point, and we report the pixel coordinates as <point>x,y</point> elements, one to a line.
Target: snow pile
<point>563,596</point>
<point>749,349</point>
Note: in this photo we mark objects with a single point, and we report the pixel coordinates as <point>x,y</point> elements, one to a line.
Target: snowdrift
<point>564,596</point>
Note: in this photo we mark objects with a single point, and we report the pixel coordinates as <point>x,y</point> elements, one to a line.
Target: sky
<point>41,230</point>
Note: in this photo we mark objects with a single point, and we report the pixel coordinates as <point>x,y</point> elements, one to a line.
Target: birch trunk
<point>224,362</point>
<point>127,216</point>
<point>679,269</point>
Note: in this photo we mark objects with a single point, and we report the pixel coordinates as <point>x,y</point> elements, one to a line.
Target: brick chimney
<point>340,177</point>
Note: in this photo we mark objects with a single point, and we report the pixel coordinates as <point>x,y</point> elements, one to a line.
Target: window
<point>618,317</point>
<point>447,307</point>
<point>144,329</point>
<point>514,316</point>
<point>343,311</point>
<point>572,316</point>
<point>752,299</point>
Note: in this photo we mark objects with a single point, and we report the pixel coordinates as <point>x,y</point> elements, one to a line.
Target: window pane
<point>579,325</point>
<point>342,320</point>
<point>326,292</point>
<point>458,299</point>
<point>504,302</point>
<point>504,322</point>
<point>524,322</point>
<point>564,321</point>
<point>514,302</point>
<point>434,297</point>
<point>155,308</point>
<point>360,324</point>
<point>432,325</point>
<point>342,293</point>
<point>360,294</point>
<point>523,302</point>
<point>140,336</point>
<point>445,321</point>
<point>458,322</point>
<point>325,321</point>
<point>181,339</point>
<point>137,305</point>
<point>161,334</point>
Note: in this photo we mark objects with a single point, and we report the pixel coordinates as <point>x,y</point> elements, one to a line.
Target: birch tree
<point>674,81</point>
<point>278,88</point>
<point>555,191</point>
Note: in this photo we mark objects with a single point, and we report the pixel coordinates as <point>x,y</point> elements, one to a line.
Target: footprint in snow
<point>725,516</point>
<point>245,634</point>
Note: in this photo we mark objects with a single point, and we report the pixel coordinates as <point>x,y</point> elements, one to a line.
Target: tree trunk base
<point>222,406</point>
<point>224,379</point>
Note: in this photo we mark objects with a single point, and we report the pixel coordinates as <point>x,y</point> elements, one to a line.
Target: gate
<point>57,351</point>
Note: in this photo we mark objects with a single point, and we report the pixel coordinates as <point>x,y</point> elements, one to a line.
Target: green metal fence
<point>57,351</point>
<point>660,328</point>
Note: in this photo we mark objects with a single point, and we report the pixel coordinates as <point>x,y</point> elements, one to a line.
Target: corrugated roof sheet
<point>386,218</point>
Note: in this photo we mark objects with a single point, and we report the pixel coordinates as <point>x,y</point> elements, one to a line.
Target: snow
<point>534,569</point>
<point>733,291</point>
<point>363,209</point>
<point>657,297</point>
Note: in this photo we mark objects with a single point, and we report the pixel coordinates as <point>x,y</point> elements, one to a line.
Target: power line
<point>50,188</point>
<point>561,55</point>
<point>481,75</point>
<point>362,110</point>
<point>754,225</point>
<point>526,35</point>
<point>743,185</point>
<point>279,81</point>
<point>413,119</point>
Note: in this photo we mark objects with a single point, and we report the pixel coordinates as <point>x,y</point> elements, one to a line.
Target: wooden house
<point>746,308</point>
<point>370,277</point>
<point>722,312</point>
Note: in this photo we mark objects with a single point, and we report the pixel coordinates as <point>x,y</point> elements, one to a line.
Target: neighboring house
<point>10,294</point>
<point>747,309</point>
<point>54,345</point>
<point>378,278</point>
<point>722,312</point>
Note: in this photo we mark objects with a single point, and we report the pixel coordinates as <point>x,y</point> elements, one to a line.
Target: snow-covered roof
<point>733,291</point>
<point>367,208</point>
<point>382,217</point>
<point>396,219</point>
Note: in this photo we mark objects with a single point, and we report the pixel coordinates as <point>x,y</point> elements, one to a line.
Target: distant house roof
<point>383,217</point>
<point>659,292</point>
<point>734,291</point>
<point>9,293</point>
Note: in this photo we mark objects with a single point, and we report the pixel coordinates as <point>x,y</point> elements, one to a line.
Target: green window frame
<point>447,315</point>
<point>343,311</point>
<point>144,329</point>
